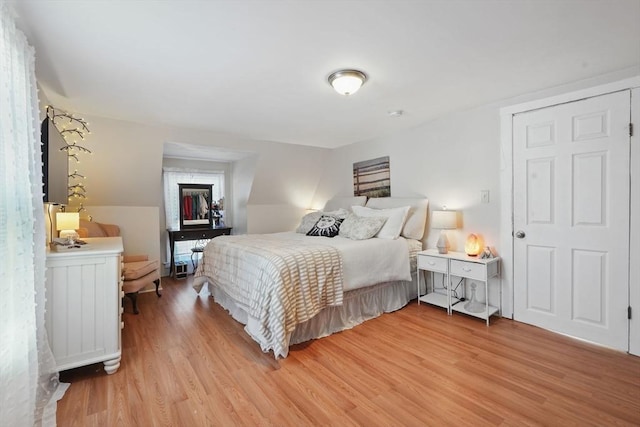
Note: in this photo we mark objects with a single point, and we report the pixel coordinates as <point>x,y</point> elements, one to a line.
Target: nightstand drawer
<point>469,270</point>
<point>432,263</point>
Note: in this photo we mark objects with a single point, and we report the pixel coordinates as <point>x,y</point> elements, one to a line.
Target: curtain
<point>174,176</point>
<point>29,386</point>
<point>171,177</point>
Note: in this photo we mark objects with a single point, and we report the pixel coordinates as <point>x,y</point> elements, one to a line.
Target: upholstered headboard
<point>344,203</point>
<point>416,221</point>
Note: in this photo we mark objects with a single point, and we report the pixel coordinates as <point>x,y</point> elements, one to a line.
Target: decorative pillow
<point>395,219</point>
<point>416,220</point>
<point>361,228</point>
<point>310,219</point>
<point>327,226</point>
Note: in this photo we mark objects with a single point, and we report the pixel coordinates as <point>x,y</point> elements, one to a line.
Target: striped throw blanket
<point>282,282</point>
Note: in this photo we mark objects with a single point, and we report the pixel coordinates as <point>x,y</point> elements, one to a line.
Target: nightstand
<point>457,264</point>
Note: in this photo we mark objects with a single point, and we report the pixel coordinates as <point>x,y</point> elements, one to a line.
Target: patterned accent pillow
<point>327,226</point>
<point>310,219</point>
<point>395,219</point>
<point>360,228</point>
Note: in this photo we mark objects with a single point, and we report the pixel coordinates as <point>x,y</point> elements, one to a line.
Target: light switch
<point>484,196</point>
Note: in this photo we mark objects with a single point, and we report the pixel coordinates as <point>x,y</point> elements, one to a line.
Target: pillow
<point>310,219</point>
<point>416,220</point>
<point>360,228</point>
<point>327,226</point>
<point>344,202</point>
<point>395,219</point>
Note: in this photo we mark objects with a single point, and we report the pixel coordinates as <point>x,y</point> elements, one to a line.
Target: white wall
<point>136,224</point>
<point>125,169</point>
<point>449,161</point>
<point>243,177</point>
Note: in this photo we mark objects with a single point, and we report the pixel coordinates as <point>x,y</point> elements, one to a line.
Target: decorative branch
<point>77,195</point>
<point>75,127</point>
<point>57,116</point>
<point>73,146</point>
<point>71,132</point>
<point>76,175</point>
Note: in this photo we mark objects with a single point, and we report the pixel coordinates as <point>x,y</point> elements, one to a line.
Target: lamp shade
<point>444,220</point>
<point>67,220</point>
<point>347,82</point>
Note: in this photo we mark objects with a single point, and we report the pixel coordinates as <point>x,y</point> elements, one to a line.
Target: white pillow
<point>416,220</point>
<point>356,227</point>
<point>395,219</point>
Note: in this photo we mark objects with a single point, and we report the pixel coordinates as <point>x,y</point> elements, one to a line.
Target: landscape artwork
<point>372,178</point>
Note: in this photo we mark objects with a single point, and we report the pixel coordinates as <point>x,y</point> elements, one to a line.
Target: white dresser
<point>83,308</point>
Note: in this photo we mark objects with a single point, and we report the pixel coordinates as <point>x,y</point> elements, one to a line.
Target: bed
<point>291,287</point>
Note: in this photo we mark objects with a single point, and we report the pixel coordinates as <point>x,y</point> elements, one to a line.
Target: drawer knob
<point>467,269</point>
<point>432,263</point>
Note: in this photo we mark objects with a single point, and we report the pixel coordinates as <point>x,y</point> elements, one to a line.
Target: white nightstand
<point>456,264</point>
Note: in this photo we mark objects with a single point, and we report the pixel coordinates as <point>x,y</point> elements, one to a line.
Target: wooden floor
<point>185,362</point>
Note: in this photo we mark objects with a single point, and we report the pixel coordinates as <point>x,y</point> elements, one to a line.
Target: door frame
<point>506,190</point>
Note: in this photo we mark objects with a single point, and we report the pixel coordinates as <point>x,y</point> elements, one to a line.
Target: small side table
<point>457,264</point>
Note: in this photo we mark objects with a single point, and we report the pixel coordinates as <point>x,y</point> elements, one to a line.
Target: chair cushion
<point>130,286</point>
<point>138,269</point>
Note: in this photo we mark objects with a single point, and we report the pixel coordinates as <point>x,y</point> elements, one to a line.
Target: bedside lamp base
<point>443,243</point>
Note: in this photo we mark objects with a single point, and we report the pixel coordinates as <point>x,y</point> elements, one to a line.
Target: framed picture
<point>372,178</point>
<point>195,206</point>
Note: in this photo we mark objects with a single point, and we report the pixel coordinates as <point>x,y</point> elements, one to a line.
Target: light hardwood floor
<point>185,362</point>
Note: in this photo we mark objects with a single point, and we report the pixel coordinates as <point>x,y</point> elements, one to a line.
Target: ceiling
<point>258,69</point>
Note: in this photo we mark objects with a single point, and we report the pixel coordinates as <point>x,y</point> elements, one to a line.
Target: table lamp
<point>444,220</point>
<point>67,223</point>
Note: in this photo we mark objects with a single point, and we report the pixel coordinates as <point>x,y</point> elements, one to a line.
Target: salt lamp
<point>473,245</point>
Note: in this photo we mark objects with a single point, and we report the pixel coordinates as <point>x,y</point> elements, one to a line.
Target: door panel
<point>571,199</point>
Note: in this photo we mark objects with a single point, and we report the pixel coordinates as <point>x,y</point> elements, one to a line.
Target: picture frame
<point>372,178</point>
<point>195,206</point>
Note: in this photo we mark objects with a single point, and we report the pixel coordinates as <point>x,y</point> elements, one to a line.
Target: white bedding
<point>365,263</point>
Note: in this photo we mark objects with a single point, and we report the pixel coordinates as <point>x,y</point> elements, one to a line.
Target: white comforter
<point>364,262</point>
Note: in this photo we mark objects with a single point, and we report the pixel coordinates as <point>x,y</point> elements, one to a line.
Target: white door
<point>571,218</point>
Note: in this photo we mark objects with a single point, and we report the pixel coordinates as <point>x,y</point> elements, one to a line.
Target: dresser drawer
<point>467,269</point>
<point>432,263</point>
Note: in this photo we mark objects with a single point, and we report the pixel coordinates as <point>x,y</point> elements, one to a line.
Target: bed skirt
<point>358,306</point>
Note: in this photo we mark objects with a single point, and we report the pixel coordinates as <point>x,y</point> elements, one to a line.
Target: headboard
<point>416,221</point>
<point>344,203</point>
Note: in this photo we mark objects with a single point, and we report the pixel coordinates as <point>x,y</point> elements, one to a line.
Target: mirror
<point>195,206</point>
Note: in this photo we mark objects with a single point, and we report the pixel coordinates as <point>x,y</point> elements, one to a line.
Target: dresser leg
<point>111,366</point>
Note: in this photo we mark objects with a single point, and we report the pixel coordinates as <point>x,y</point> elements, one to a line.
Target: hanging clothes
<point>204,207</point>
<point>187,208</point>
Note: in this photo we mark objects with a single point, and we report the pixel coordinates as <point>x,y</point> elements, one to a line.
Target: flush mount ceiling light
<point>347,82</point>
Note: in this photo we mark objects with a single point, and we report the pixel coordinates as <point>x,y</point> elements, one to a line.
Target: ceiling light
<point>347,82</point>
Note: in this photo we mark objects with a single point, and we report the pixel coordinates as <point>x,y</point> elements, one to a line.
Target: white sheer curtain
<point>174,176</point>
<point>29,384</point>
<point>171,177</point>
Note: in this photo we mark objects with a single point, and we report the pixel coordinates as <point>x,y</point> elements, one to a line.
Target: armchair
<point>137,271</point>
